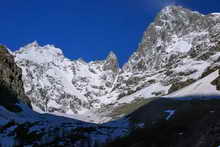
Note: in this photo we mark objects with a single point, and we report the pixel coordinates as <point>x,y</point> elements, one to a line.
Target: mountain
<point>192,121</point>
<point>57,84</point>
<point>179,48</point>
<point>178,56</point>
<point>21,126</point>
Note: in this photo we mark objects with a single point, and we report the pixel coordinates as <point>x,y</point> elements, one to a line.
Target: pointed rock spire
<point>111,62</point>
<point>111,56</point>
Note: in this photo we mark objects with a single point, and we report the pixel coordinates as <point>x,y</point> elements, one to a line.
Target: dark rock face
<point>11,85</point>
<point>178,85</point>
<point>216,82</point>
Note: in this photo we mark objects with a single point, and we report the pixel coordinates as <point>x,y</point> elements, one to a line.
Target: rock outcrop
<point>11,84</point>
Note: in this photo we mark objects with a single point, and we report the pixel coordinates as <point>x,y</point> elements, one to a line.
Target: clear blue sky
<point>84,28</point>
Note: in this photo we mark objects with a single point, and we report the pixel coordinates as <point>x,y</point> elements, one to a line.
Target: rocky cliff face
<point>177,49</point>
<point>11,85</point>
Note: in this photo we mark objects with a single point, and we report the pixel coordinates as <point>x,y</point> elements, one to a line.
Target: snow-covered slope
<point>57,84</point>
<point>201,87</point>
<point>180,47</point>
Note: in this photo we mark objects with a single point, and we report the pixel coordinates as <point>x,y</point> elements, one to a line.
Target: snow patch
<point>180,46</point>
<point>200,87</point>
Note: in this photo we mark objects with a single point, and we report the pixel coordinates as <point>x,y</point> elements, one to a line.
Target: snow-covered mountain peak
<point>175,31</point>
<point>168,10</point>
<point>111,55</point>
<point>174,9</point>
<point>176,19</point>
<point>57,84</point>
<point>40,54</point>
<point>81,60</point>
<point>32,44</point>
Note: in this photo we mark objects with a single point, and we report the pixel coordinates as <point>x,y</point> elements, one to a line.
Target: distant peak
<point>40,54</point>
<point>175,13</point>
<point>32,44</point>
<point>173,10</point>
<point>111,62</point>
<point>173,6</point>
<point>35,44</point>
<point>111,55</point>
<point>81,60</point>
<point>51,49</point>
<point>170,9</point>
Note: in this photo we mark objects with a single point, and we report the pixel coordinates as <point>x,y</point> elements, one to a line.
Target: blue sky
<point>85,28</point>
